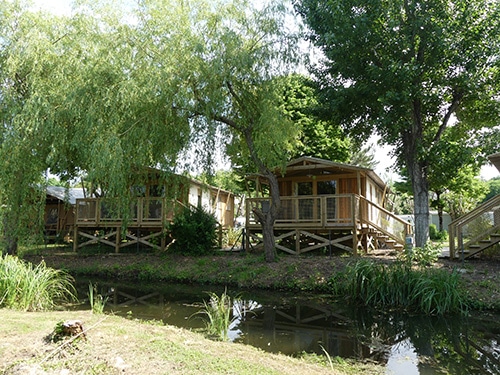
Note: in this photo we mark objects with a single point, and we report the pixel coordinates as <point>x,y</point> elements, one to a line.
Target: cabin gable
<point>315,177</point>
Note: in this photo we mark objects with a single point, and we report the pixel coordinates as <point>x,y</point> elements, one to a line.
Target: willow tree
<point>104,94</point>
<point>74,98</point>
<point>405,69</point>
<point>229,56</point>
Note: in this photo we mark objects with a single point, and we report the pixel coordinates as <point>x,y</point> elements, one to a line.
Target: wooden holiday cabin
<point>330,206</point>
<point>152,207</point>
<point>60,212</point>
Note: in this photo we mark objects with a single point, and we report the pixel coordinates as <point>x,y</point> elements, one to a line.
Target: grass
<point>312,274</point>
<point>24,286</point>
<point>401,287</point>
<point>96,300</point>
<point>120,345</point>
<point>218,311</point>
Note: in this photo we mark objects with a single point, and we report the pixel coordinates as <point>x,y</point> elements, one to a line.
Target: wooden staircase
<point>375,241</point>
<point>474,249</point>
<point>475,231</point>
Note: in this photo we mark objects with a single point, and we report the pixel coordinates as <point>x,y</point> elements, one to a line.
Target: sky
<point>383,169</point>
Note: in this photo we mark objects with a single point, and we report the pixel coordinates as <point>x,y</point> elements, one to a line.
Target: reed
<point>96,300</point>
<point>218,312</point>
<point>400,287</point>
<point>26,287</point>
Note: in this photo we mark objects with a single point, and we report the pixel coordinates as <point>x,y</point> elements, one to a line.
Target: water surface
<point>293,324</point>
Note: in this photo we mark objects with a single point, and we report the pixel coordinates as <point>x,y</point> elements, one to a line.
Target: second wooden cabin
<point>330,206</point>
<point>153,205</point>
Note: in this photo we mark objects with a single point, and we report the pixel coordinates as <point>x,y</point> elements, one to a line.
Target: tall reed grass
<point>400,287</point>
<point>24,286</point>
<point>96,300</point>
<point>218,312</point>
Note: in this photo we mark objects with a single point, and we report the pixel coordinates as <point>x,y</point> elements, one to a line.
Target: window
<point>304,188</point>
<point>156,191</point>
<point>327,187</point>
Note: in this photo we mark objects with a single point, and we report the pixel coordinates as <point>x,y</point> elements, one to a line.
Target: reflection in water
<point>291,325</point>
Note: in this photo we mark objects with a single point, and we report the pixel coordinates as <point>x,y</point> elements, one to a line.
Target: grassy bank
<point>479,280</point>
<point>117,345</point>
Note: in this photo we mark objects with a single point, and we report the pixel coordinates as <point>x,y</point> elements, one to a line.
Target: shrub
<point>194,232</point>
<point>436,235</point>
<point>423,257</point>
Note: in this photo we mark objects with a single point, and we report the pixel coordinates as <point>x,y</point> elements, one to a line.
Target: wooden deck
<point>97,223</point>
<point>347,222</point>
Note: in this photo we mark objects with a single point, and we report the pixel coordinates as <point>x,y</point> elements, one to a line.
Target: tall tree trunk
<point>268,217</point>
<point>417,169</point>
<point>268,239</point>
<point>10,234</point>
<point>440,208</point>
<point>421,204</point>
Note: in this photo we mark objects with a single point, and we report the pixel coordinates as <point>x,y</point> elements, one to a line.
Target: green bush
<point>194,232</point>
<point>436,235</point>
<point>422,256</point>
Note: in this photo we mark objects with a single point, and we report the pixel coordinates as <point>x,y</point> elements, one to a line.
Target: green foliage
<point>363,156</point>
<point>218,311</point>
<point>97,301</point>
<point>422,256</point>
<point>319,138</point>
<point>493,188</point>
<point>26,287</point>
<point>227,180</point>
<point>404,70</point>
<point>194,232</point>
<point>232,236</point>
<point>436,235</point>
<point>398,286</point>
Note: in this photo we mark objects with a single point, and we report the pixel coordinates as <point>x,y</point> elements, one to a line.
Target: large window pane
<point>304,188</point>
<point>327,187</point>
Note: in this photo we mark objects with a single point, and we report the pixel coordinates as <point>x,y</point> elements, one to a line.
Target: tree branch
<point>457,97</point>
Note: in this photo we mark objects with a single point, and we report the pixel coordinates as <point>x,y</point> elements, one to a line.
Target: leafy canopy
<point>410,71</point>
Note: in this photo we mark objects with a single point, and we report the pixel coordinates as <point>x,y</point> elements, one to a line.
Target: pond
<point>293,324</point>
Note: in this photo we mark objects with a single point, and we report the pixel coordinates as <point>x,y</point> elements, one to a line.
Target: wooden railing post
<point>323,210</point>
<point>451,240</point>
<point>355,230</point>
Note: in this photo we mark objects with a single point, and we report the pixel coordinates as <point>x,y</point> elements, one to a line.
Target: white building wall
<point>194,194</point>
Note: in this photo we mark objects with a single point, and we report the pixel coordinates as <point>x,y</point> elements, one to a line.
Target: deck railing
<point>329,211</point>
<point>474,226</point>
<point>384,221</point>
<point>102,211</point>
<point>309,211</point>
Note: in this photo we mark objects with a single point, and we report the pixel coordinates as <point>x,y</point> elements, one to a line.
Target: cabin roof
<point>495,160</point>
<point>70,195</point>
<point>308,165</point>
